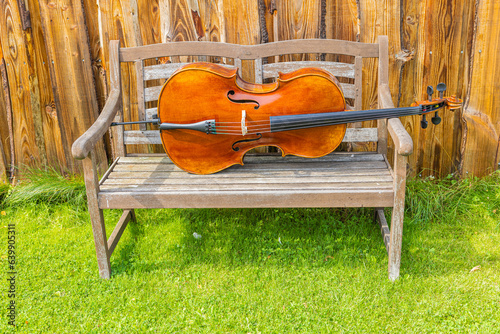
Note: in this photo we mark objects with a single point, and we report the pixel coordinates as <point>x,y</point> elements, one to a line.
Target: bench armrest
<point>402,140</point>
<point>82,146</point>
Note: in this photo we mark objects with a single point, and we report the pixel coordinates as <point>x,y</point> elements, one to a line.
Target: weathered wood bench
<point>361,179</point>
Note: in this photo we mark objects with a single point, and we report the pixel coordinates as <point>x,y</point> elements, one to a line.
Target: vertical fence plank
<point>71,75</point>
<point>177,23</point>
<point>5,139</point>
<point>149,21</point>
<point>242,27</point>
<point>119,20</point>
<point>212,20</point>
<point>16,58</point>
<point>440,57</point>
<point>298,19</point>
<point>55,151</point>
<point>480,149</point>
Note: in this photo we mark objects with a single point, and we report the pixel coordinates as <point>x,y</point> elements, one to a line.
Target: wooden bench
<point>343,179</point>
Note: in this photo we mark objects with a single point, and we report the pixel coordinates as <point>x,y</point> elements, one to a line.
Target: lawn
<point>254,271</point>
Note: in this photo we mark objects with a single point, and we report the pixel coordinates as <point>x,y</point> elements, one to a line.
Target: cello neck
<point>294,122</point>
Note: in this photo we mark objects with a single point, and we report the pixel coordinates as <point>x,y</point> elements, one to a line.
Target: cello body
<point>241,112</point>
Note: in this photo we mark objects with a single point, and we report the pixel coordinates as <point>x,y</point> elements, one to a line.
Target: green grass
<point>269,271</point>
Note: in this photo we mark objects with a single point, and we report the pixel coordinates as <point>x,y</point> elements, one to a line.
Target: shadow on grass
<point>236,237</point>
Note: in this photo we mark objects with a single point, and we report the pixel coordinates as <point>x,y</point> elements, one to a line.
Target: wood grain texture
<point>55,152</point>
<point>212,19</point>
<point>441,40</point>
<point>480,150</point>
<point>415,28</point>
<point>16,57</point>
<point>6,130</point>
<point>342,22</point>
<point>299,19</point>
<point>241,26</point>
<point>71,74</point>
<point>96,215</point>
<point>4,127</point>
<point>88,140</point>
<point>118,231</point>
<point>337,179</point>
<point>119,20</point>
<point>384,228</point>
<point>96,51</point>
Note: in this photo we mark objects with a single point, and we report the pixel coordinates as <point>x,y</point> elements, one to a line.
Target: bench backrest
<point>150,78</point>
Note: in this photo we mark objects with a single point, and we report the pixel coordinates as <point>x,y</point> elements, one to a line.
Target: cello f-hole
<point>236,149</point>
<point>231,92</point>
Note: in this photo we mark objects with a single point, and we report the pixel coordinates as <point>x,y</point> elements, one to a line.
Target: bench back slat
<point>296,46</point>
<point>340,69</point>
<point>150,137</point>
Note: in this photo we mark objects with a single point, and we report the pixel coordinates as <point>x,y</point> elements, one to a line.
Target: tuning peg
<point>423,122</point>
<point>436,119</point>
<point>430,91</point>
<point>441,87</point>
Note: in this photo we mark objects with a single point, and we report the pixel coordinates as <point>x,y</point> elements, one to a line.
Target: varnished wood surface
<point>202,153</point>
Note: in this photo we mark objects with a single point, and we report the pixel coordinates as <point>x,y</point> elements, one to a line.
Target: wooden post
<point>397,216</point>
<point>96,215</point>
<point>383,79</point>
<point>115,83</point>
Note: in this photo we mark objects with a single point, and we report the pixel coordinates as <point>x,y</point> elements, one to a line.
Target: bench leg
<point>398,211</point>
<point>96,215</point>
<point>101,244</point>
<point>396,241</point>
<point>115,236</point>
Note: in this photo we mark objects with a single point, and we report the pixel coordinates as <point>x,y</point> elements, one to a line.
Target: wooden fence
<point>55,55</point>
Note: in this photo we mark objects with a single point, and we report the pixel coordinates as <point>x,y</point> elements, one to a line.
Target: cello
<point>209,117</point>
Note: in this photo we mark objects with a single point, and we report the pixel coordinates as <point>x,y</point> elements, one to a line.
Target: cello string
<point>347,115</point>
<point>292,125</point>
<point>299,125</point>
<point>302,124</point>
<point>369,115</point>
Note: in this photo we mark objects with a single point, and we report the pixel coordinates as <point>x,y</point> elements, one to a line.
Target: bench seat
<point>339,179</point>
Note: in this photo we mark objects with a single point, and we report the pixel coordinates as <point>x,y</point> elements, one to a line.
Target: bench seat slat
<point>141,180</point>
<point>244,174</point>
<point>263,167</point>
<point>260,158</point>
<point>247,187</point>
<point>246,199</point>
